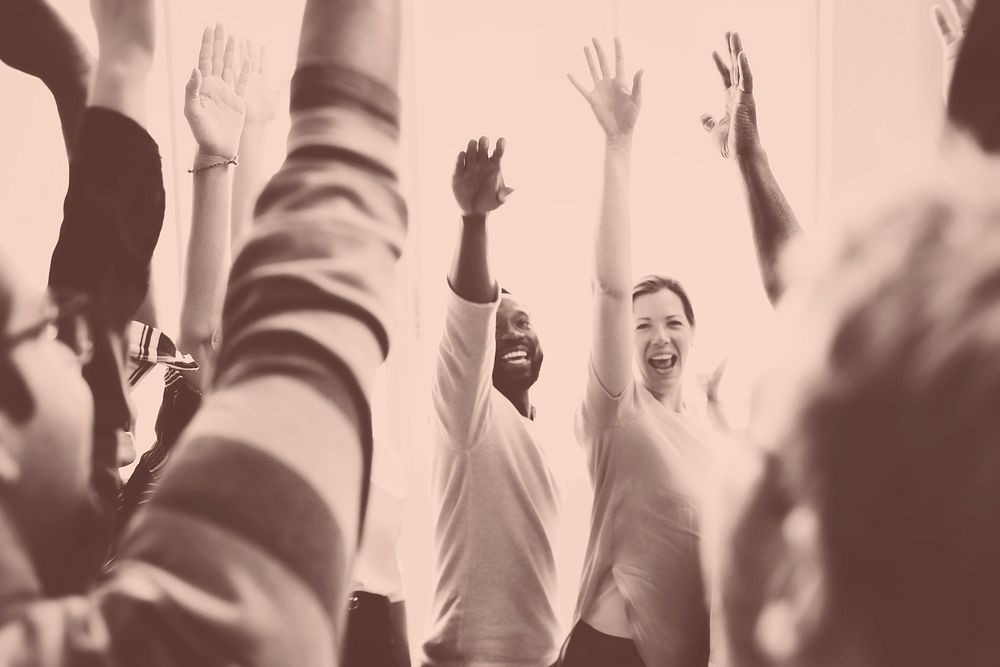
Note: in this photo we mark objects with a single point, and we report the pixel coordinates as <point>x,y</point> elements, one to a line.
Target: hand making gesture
<point>214,104</point>
<point>950,26</point>
<point>478,182</point>
<point>616,108</point>
<point>735,133</point>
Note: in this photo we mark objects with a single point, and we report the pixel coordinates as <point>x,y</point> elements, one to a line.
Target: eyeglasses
<point>65,321</point>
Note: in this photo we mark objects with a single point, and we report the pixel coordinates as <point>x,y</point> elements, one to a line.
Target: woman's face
<point>663,339</point>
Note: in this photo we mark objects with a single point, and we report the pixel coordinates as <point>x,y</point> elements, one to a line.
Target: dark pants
<point>586,647</point>
<point>376,632</point>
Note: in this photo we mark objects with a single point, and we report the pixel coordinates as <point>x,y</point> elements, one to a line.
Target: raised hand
<point>261,97</point>
<point>478,182</point>
<point>616,108</point>
<point>126,32</point>
<point>735,133</point>
<point>214,102</point>
<point>950,25</point>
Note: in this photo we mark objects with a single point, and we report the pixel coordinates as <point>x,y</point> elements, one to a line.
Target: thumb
<point>637,88</point>
<point>193,86</point>
<point>503,193</point>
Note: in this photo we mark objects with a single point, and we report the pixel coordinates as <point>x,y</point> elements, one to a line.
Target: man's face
<point>52,447</point>
<point>519,355</point>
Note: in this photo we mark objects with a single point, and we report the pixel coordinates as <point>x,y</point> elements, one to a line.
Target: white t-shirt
<point>376,567</point>
<point>497,511</point>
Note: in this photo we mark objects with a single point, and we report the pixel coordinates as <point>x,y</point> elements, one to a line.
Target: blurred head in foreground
<point>871,536</point>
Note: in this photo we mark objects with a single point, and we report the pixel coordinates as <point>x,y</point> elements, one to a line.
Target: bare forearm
<point>470,275</point>
<point>362,35</point>
<point>612,242</point>
<point>120,87</point>
<point>774,222</point>
<point>207,257</point>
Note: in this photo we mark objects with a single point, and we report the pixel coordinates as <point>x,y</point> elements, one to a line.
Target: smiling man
<point>497,503</point>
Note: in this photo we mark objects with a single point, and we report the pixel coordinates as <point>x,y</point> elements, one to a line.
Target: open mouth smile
<point>663,361</point>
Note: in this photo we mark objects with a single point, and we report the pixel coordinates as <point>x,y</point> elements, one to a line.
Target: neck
<point>519,399</point>
<point>671,397</point>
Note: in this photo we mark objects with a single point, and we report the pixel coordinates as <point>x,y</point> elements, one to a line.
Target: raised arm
<point>974,95</point>
<point>215,110</point>
<point>479,189</point>
<point>113,213</point>
<point>736,136</point>
<point>617,110</point>
<point>262,107</point>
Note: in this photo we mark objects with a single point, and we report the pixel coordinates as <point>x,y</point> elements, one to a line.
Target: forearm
<point>774,223</point>
<point>207,256</point>
<point>361,35</point>
<point>611,351</point>
<point>470,275</point>
<point>248,180</point>
<point>120,87</point>
<point>612,242</point>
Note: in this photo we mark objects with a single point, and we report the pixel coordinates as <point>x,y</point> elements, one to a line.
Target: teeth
<point>515,355</point>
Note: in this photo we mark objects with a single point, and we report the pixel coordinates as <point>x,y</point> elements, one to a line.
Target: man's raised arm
<point>735,133</point>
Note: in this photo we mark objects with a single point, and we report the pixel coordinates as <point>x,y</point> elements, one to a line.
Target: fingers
<point>228,62</point>
<point>962,9</point>
<point>727,79</point>
<point>244,78</point>
<point>946,32</point>
<point>637,89</point>
<point>460,162</point>
<point>591,65</point>
<point>218,49</point>
<point>708,122</point>
<point>484,149</point>
<point>500,148</point>
<point>619,60</point>
<point>472,153</point>
<point>503,193</point>
<point>602,59</point>
<point>735,49</point>
<point>746,76</point>
<point>205,53</point>
<point>577,85</point>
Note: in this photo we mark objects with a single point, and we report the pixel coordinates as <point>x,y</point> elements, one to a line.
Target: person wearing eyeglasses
<point>212,571</point>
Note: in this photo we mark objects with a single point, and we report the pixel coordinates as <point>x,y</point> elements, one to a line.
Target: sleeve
<point>242,554</point>
<point>463,382</point>
<point>113,213</point>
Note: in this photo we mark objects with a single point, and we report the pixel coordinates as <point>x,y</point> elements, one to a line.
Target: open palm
<point>214,104</point>
<point>616,109</point>
<point>735,132</point>
<point>478,181</point>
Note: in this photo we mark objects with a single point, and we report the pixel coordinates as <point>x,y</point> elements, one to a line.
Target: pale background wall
<point>845,88</point>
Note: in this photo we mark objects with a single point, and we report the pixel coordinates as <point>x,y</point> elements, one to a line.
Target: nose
<point>660,334</point>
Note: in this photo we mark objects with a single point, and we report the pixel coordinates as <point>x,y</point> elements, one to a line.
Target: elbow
<point>607,290</point>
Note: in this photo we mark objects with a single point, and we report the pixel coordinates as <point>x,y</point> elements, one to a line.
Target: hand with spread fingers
<point>616,108</point>
<point>214,102</point>
<point>735,133</point>
<point>478,181</point>
<point>950,25</point>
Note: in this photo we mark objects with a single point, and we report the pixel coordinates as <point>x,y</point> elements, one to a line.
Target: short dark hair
<point>15,398</point>
<point>652,284</point>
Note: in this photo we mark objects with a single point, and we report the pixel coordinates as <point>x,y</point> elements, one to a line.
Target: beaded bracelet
<point>234,160</point>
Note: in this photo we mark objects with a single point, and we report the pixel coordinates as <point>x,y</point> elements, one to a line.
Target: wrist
<point>205,159</point>
<point>751,157</point>
<point>474,218</point>
<point>619,142</point>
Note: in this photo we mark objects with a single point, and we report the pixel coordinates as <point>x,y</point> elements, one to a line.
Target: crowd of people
<point>262,526</point>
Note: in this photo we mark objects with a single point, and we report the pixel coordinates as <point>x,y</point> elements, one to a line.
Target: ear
<point>793,611</point>
<point>10,467</point>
